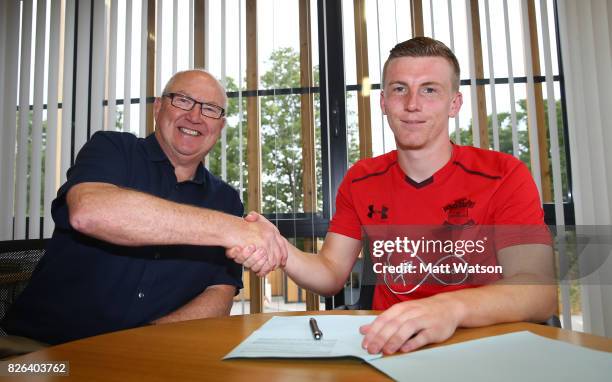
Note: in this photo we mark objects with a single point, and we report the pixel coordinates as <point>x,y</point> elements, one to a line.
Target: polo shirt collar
<point>154,150</point>
<point>200,175</point>
<point>156,154</point>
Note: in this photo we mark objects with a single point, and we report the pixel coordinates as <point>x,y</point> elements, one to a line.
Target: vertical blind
<point>104,75</point>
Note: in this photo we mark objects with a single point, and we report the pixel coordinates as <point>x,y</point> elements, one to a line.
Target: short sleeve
<point>102,159</point>
<point>517,200</point>
<point>231,276</point>
<point>346,221</point>
<point>518,213</point>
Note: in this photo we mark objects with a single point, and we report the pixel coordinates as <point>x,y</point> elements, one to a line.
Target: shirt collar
<point>154,150</point>
<point>200,174</point>
<point>156,154</point>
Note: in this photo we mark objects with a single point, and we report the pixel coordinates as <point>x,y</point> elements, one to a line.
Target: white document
<point>521,356</point>
<point>291,337</point>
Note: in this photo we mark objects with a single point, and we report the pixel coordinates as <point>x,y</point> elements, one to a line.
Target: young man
<point>141,226</point>
<point>430,181</point>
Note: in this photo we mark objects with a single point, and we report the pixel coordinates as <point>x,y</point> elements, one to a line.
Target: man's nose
<point>195,114</point>
<point>411,101</point>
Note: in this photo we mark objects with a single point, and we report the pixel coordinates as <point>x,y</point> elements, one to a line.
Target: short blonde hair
<point>424,47</point>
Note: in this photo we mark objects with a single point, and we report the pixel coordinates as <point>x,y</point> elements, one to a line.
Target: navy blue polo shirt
<point>83,286</point>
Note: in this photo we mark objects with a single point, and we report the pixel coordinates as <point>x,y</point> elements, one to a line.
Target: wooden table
<point>193,350</point>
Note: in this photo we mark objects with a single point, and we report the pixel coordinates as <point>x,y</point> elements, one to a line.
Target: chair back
<point>367,283</point>
<point>18,258</point>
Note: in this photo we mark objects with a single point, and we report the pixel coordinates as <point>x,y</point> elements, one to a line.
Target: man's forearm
<point>128,217</point>
<point>215,301</point>
<point>528,291</point>
<point>313,272</point>
<point>519,298</point>
<point>326,272</point>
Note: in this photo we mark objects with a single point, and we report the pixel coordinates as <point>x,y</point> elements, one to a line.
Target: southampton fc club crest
<point>458,212</point>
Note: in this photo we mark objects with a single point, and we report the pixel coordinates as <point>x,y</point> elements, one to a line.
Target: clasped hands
<point>264,249</point>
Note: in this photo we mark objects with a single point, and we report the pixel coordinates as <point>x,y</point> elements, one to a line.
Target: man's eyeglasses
<point>187,103</point>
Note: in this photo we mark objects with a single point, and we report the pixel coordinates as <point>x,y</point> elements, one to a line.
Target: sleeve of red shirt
<point>346,221</point>
<point>519,217</point>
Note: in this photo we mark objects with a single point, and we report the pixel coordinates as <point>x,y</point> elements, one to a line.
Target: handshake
<point>261,248</point>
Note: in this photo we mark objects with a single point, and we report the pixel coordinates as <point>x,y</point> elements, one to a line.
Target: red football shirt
<point>475,188</point>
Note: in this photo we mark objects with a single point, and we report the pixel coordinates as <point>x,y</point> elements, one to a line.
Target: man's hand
<point>251,258</point>
<point>409,325</point>
<point>264,252</point>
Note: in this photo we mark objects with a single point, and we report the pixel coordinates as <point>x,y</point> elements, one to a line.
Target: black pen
<point>314,328</point>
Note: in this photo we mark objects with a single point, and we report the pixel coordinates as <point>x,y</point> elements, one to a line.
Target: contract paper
<point>291,337</point>
<point>521,356</point>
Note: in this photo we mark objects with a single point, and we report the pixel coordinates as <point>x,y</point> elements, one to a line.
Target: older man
<point>141,226</point>
<point>429,180</point>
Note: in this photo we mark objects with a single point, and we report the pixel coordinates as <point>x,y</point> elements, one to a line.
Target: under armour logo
<point>383,211</point>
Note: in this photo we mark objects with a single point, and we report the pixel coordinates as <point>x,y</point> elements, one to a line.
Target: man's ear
<point>455,105</point>
<point>156,107</point>
<point>382,102</point>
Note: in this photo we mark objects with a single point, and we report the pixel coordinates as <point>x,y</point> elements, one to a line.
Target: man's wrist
<point>290,259</point>
<point>456,306</point>
<point>229,234</point>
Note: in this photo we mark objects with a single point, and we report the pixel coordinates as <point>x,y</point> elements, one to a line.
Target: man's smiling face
<point>187,136</point>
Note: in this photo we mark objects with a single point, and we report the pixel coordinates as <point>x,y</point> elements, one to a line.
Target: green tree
<point>119,121</point>
<point>281,141</point>
<point>29,161</point>
<point>235,163</point>
<point>281,136</point>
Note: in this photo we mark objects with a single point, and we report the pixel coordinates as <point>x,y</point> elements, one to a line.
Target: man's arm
<point>326,272</point>
<point>323,273</point>
<point>215,301</point>
<point>527,293</point>
<point>128,217</point>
